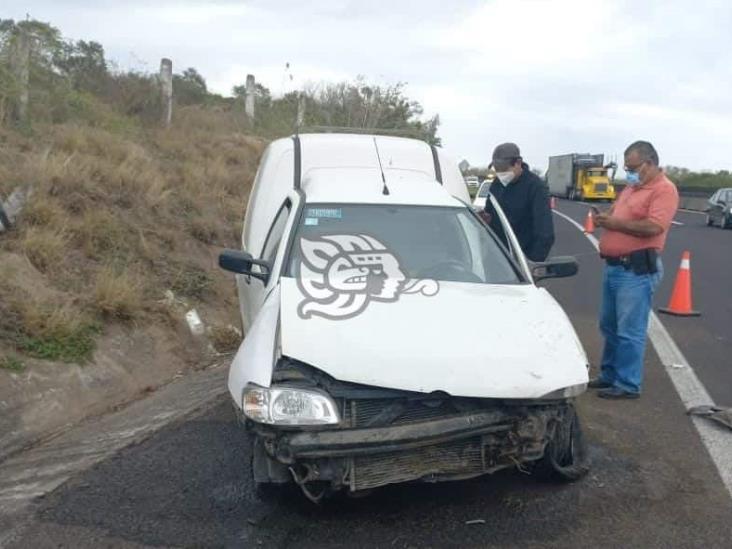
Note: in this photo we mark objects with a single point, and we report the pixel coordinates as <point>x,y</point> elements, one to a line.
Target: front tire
<point>709,220</point>
<point>566,455</point>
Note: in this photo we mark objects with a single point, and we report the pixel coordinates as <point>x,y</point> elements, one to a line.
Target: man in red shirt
<point>635,233</point>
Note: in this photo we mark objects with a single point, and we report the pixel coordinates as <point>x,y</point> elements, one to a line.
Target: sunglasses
<point>633,169</point>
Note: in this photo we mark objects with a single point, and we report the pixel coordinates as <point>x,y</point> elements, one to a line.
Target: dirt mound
<point>119,239</point>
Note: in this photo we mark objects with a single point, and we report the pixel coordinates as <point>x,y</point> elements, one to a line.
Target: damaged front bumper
<point>418,439</point>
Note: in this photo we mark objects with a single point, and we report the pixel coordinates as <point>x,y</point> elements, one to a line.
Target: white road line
<point>590,237</point>
<point>692,211</point>
<point>679,223</point>
<point>690,389</point>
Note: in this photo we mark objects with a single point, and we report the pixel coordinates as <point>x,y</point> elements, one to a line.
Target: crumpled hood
<point>478,340</point>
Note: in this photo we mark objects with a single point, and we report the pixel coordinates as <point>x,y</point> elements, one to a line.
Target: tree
<point>705,181</point>
<point>84,64</point>
<point>27,69</point>
<point>262,95</point>
<point>361,105</point>
<point>189,88</point>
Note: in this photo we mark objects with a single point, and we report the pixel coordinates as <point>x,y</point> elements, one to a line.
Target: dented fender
<point>254,361</point>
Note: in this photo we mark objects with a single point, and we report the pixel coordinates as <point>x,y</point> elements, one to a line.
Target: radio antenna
<point>385,190</point>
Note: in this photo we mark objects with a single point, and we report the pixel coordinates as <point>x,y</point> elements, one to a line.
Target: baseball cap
<point>504,155</point>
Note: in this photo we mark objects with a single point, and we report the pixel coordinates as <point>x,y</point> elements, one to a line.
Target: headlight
<point>567,392</point>
<point>288,406</point>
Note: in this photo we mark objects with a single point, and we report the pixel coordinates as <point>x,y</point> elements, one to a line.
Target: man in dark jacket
<point>524,198</point>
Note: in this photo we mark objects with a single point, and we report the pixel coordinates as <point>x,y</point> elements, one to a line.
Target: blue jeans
<point>626,305</point>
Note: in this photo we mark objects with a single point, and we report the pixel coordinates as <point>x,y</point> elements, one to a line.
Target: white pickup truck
<point>365,280</point>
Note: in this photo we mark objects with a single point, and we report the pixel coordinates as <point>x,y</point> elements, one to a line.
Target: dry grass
<point>118,218</point>
<point>118,295</point>
<point>44,211</point>
<point>225,339</point>
<point>45,247</point>
<point>50,329</point>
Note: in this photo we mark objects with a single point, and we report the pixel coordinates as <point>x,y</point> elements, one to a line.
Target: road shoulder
<point>41,469</point>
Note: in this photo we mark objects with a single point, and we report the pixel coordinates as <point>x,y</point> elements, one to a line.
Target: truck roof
<point>333,167</point>
<point>365,186</point>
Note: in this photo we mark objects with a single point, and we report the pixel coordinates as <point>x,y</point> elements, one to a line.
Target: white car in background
<point>482,195</point>
<point>365,280</point>
<point>472,182</point>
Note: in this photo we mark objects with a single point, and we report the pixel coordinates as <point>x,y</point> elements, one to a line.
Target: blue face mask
<point>633,178</point>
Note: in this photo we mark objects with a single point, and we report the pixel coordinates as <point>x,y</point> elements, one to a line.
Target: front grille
<point>462,457</point>
<point>601,187</point>
<point>519,436</point>
<point>393,411</point>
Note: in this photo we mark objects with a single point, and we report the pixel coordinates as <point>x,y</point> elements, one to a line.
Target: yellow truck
<point>581,177</point>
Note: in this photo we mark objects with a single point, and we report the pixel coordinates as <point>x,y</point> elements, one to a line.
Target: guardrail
<point>695,203</point>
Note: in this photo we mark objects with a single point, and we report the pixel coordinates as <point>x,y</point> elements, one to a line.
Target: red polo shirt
<point>656,200</point>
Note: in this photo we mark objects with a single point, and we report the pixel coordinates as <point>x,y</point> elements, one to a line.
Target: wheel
<point>581,195</point>
<point>565,456</point>
<point>709,220</point>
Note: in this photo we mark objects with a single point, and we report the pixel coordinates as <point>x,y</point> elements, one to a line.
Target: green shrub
<point>75,345</point>
<point>11,363</point>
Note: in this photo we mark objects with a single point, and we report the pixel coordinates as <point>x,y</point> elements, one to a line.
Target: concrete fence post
<point>300,109</point>
<point>5,223</point>
<point>20,66</point>
<point>11,208</point>
<point>166,90</point>
<point>249,98</point>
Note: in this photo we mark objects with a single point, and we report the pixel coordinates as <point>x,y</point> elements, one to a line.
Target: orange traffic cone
<point>589,223</point>
<point>553,202</point>
<point>680,303</point>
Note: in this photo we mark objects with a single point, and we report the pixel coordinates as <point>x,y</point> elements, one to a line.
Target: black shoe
<point>615,393</point>
<point>597,383</point>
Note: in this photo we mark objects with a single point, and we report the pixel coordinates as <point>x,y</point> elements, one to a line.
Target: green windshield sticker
<point>327,213</point>
<point>311,221</point>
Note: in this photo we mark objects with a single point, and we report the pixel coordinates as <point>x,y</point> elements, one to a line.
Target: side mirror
<point>240,262</point>
<point>555,267</point>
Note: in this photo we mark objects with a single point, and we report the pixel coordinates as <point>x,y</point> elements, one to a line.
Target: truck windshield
<point>408,242</point>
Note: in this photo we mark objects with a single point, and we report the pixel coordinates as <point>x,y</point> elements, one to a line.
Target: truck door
<point>513,246</point>
<point>252,291</point>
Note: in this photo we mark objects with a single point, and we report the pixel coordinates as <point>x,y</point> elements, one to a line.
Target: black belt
<point>623,260</point>
<point>639,261</point>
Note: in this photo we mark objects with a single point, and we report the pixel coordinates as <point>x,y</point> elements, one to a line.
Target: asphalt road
<point>652,483</point>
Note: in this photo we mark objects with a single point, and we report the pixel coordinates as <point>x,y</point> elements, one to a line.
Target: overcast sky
<point>554,76</point>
